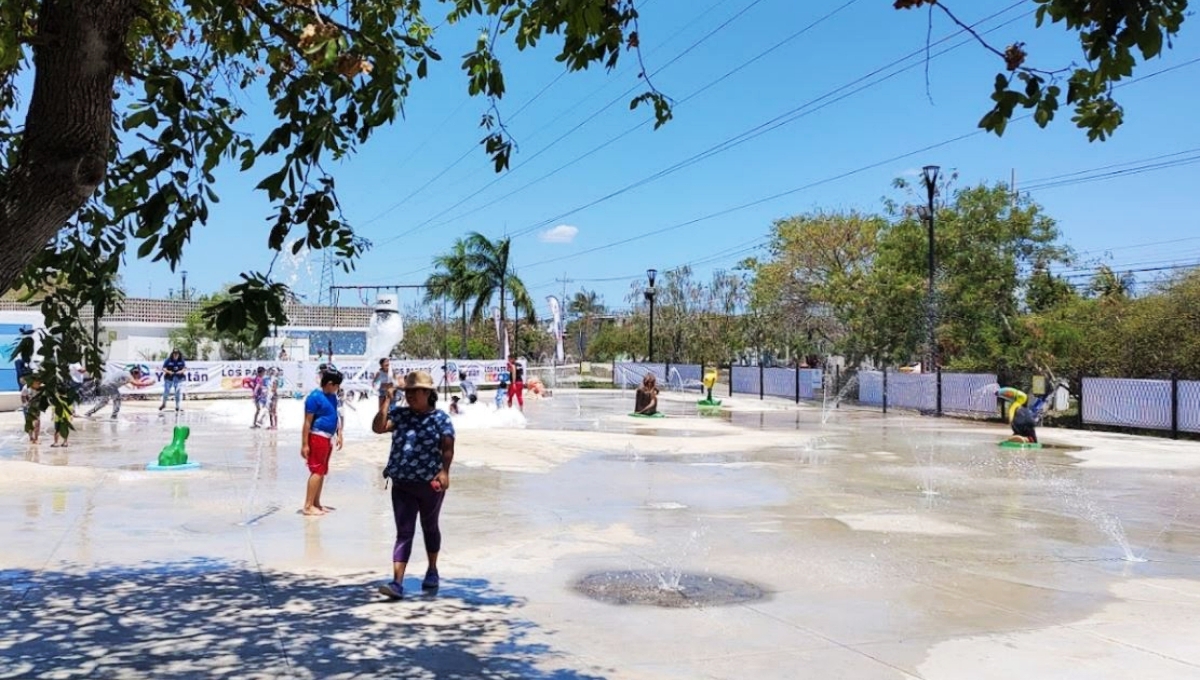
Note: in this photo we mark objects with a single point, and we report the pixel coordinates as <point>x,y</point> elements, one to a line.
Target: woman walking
<point>173,370</point>
<point>418,469</point>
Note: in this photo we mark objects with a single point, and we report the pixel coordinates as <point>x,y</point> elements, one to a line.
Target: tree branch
<point>280,31</point>
<point>994,50</point>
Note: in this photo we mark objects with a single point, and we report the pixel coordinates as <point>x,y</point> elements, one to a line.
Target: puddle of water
<point>672,590</point>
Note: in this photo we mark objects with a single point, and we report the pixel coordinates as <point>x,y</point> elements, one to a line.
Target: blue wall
<point>10,335</point>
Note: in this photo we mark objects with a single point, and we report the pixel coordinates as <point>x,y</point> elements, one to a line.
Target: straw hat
<point>418,380</point>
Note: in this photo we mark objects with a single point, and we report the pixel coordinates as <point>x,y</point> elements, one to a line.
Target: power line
<point>1174,267</point>
<point>810,185</point>
<point>1141,245</point>
<point>827,180</point>
<point>1165,165</point>
<point>629,131</point>
<point>778,121</point>
<point>474,147</point>
<point>790,116</point>
<point>635,127</point>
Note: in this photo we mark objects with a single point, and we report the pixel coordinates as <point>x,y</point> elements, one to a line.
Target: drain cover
<point>666,588</point>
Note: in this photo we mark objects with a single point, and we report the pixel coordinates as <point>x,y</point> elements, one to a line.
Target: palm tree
<point>453,280</point>
<point>490,267</point>
<point>586,305</point>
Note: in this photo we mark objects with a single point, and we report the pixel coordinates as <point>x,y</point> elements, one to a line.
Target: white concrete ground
<point>887,547</point>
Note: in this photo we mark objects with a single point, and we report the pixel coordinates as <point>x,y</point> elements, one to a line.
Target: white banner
<point>235,377</point>
<point>556,313</point>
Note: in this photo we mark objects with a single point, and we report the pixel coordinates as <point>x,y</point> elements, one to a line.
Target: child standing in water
<point>273,380</point>
<point>29,392</point>
<point>258,390</point>
<point>501,389</point>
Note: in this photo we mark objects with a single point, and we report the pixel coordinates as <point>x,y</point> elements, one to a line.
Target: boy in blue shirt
<point>322,429</point>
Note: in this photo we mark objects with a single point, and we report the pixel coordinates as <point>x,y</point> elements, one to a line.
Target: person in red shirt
<point>516,387</point>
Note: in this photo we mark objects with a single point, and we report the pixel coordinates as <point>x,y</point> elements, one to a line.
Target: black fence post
<point>939,390</point>
<point>797,381</point>
<point>1080,414</point>
<point>884,388</point>
<point>837,383</point>
<point>761,386</point>
<point>731,378</point>
<point>1174,405</point>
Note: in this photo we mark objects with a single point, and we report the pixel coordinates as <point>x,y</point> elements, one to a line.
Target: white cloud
<point>563,233</point>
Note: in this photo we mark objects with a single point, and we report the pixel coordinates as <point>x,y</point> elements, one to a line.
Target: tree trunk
<point>503,325</point>
<point>463,353</point>
<point>64,154</point>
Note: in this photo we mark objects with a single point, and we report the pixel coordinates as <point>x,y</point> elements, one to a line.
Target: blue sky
<point>401,190</point>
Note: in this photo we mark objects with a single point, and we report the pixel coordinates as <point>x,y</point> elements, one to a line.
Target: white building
<point>140,330</point>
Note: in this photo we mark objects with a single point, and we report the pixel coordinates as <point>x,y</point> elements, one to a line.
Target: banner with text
<point>236,378</point>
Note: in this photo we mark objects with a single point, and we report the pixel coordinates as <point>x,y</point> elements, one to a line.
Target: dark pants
<point>410,499</point>
<point>1022,424</point>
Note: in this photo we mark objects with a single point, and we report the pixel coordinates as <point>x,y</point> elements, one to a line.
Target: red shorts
<point>319,450</point>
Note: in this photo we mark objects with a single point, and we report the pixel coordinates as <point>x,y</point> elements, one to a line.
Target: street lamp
<point>930,174</point>
<point>650,292</point>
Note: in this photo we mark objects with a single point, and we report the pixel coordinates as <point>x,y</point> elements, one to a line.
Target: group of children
<point>511,385</point>
<point>30,388</point>
<point>264,389</point>
<point>81,388</point>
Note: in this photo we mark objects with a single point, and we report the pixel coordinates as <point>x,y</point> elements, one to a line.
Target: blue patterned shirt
<point>417,444</point>
<point>176,366</point>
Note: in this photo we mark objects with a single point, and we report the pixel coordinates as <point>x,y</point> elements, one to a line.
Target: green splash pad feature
<point>708,403</point>
<point>643,415</point>
<point>1019,445</point>
<point>155,467</point>
<point>174,455</point>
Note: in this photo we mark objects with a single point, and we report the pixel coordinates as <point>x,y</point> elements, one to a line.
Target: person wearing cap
<point>322,430</point>
<point>418,469</point>
<point>110,389</point>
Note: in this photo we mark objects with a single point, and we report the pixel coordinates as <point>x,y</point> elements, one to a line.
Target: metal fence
<point>972,393</point>
<point>1172,405</point>
<point>669,376</point>
<point>1188,405</point>
<point>1148,404</point>
<point>790,383</point>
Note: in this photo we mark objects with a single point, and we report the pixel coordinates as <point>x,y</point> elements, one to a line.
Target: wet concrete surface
<point>883,547</point>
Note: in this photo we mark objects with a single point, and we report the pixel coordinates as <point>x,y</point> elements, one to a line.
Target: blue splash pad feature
<point>155,467</point>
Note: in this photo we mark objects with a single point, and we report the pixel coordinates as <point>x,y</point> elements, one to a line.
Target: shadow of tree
<point>211,619</point>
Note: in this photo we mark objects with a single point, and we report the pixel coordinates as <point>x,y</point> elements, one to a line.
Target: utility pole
<point>564,281</point>
<point>563,302</point>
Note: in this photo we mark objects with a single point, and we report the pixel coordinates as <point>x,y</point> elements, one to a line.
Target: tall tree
<point>814,277</point>
<point>453,280</point>
<point>130,108</point>
<point>494,275</point>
